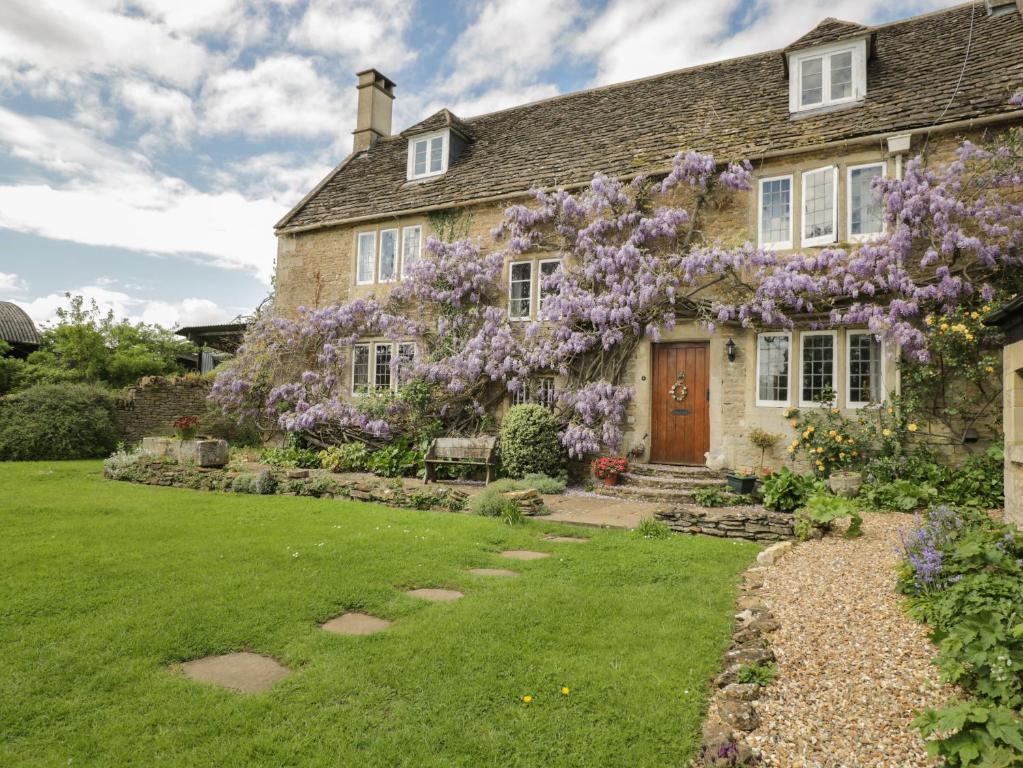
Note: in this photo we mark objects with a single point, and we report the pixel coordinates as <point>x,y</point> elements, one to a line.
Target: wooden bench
<point>466,451</point>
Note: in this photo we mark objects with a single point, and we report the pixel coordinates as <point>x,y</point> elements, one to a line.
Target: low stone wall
<point>754,522</point>
<point>156,402</point>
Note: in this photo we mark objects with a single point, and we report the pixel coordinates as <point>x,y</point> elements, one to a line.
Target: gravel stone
<point>853,668</point>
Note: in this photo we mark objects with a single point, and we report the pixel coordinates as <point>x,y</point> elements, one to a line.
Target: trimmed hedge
<point>529,442</point>
<point>57,421</point>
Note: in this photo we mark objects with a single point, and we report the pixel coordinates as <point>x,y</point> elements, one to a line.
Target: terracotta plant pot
<point>611,480</point>
<point>846,483</point>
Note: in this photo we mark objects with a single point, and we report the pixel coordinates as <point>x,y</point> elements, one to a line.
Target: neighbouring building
<point>819,120</point>
<point>18,330</point>
<point>1010,320</point>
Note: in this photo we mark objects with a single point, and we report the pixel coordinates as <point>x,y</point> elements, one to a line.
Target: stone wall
<point>754,523</point>
<point>1012,394</point>
<point>151,407</point>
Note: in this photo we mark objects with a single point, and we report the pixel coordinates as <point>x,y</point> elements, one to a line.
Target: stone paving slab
<point>354,623</point>
<point>524,554</point>
<point>436,595</point>
<point>493,572</point>
<point>243,672</point>
<point>566,539</point>
<point>598,511</point>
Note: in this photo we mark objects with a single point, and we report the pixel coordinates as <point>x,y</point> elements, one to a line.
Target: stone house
<point>1009,319</point>
<point>818,120</point>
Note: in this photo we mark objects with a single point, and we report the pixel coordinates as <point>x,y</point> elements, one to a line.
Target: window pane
<point>521,290</point>
<point>819,203</point>
<point>367,246</point>
<point>419,167</point>
<point>382,367</point>
<point>864,207</point>
<point>547,268</point>
<point>818,367</point>
<point>841,75</point>
<point>864,368</point>
<point>406,360</point>
<point>520,396</point>
<point>436,150</point>
<point>388,254</point>
<point>545,394</point>
<point>775,210</point>
<point>410,248</point>
<point>811,82</point>
<point>773,368</point>
<point>360,368</point>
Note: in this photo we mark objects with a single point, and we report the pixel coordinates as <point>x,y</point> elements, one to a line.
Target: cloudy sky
<point>148,146</point>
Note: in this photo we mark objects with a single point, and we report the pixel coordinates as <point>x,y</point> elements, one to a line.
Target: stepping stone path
<point>436,595</point>
<point>493,572</point>
<point>356,624</point>
<point>566,539</point>
<point>524,554</point>
<point>244,672</point>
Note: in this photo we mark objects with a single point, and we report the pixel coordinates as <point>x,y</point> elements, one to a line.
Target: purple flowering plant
<point>634,257</point>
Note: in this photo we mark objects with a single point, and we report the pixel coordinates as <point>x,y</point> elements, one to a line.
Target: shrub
<point>820,513</point>
<point>120,463</point>
<point>786,491</point>
<point>290,456</point>
<point>348,457</point>
<point>529,442</point>
<point>649,528</point>
<point>898,496</point>
<point>491,502</point>
<point>763,440</point>
<point>979,482</point>
<point>262,483</point>
<point>719,497</point>
<point>57,421</point>
<point>396,460</point>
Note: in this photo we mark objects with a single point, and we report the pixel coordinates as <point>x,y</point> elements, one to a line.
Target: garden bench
<point>466,451</point>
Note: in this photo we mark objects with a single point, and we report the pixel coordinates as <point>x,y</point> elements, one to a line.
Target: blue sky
<point>148,146</point>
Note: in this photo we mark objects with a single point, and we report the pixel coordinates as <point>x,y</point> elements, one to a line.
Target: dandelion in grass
<point>527,699</point>
<point>565,691</point>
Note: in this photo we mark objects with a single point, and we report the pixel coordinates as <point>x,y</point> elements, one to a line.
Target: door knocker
<point>679,391</point>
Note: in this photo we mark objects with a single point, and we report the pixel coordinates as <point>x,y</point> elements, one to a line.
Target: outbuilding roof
<point>16,327</point>
<point>919,75</point>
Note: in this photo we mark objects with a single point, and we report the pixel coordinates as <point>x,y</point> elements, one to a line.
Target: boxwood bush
<point>57,421</point>
<point>529,442</point>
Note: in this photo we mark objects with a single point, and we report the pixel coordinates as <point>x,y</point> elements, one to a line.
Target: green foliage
<point>57,421</point>
<point>87,346</point>
<point>396,460</point>
<point>347,457</point>
<point>822,510</point>
<point>898,496</point>
<point>529,442</point>
<point>512,515</point>
<point>119,464</point>
<point>785,491</point>
<point>533,481</point>
<point>261,483</point>
<point>12,369</point>
<point>982,736</point>
<point>763,440</point>
<point>758,674</point>
<point>290,456</point>
<point>979,482</point>
<point>491,502</point>
<point>435,498</point>
<point>719,497</point>
<point>827,437</point>
<point>649,528</point>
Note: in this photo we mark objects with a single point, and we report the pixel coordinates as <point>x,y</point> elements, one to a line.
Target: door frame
<point>704,344</point>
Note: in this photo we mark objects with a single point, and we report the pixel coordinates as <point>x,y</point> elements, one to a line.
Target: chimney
<point>376,93</point>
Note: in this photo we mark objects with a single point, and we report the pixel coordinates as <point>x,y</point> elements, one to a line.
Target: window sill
<point>827,109</point>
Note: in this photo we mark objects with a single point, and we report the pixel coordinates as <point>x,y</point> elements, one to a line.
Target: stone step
<point>671,481</point>
<point>668,496</point>
<point>673,470</point>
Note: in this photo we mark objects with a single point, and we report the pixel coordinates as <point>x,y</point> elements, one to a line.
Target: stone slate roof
<point>736,108</point>
<point>443,118</point>
<point>16,326</point>
<point>828,31</point>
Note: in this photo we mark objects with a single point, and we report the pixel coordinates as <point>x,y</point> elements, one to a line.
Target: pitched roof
<point>442,118</point>
<point>16,326</point>
<point>735,108</point>
<point>828,31</point>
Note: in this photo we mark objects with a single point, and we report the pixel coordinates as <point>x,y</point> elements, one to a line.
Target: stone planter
<point>741,484</point>
<point>845,484</point>
<point>200,452</point>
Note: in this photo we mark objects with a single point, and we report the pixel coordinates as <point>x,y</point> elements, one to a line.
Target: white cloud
<point>68,36</point>
<point>366,33</point>
<point>281,95</point>
<point>636,38</point>
<point>190,311</point>
<point>163,109</point>
<point>12,283</point>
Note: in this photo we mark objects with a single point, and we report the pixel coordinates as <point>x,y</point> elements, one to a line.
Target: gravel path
<point>852,667</point>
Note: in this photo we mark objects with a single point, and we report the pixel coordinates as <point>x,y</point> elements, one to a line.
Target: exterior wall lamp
<point>730,350</point>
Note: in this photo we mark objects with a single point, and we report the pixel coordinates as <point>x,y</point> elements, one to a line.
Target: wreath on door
<point>679,391</point>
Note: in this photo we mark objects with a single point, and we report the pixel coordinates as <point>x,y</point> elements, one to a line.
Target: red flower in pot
<point>608,468</point>
<point>186,427</point>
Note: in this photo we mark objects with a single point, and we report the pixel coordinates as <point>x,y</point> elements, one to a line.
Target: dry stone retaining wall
<point>755,523</point>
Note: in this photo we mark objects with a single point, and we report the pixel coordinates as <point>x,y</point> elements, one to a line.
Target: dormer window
<point>428,154</point>
<point>827,76</point>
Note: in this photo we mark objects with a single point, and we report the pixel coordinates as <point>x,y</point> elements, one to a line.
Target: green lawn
<point>105,584</point>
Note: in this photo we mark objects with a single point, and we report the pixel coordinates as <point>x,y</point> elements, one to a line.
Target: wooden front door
<point>679,397</point>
